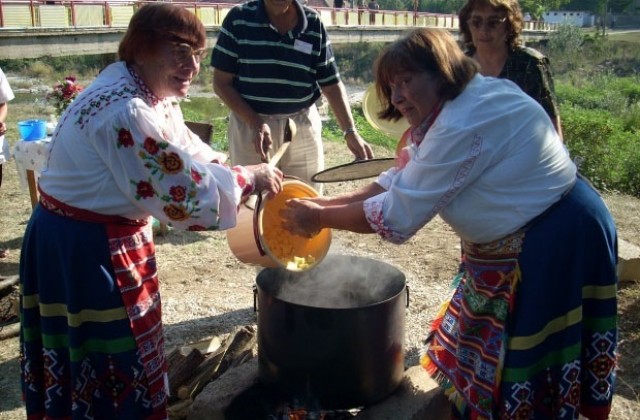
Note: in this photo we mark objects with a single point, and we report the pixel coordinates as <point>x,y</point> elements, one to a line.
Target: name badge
<point>302,46</point>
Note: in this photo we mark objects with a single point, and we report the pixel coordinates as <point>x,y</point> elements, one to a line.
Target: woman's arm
<point>307,217</point>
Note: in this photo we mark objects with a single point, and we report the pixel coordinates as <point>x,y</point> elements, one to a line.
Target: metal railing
<point>79,14</point>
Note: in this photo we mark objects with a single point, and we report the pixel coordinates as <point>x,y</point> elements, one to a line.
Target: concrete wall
<point>580,19</point>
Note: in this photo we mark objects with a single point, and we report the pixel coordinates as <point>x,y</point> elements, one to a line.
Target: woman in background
<point>530,329</point>
<point>491,31</point>
<point>91,327</point>
<point>6,94</point>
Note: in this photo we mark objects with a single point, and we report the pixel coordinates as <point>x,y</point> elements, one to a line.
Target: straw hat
<point>371,106</point>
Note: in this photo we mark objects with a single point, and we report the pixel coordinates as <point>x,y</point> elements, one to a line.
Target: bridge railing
<point>61,14</point>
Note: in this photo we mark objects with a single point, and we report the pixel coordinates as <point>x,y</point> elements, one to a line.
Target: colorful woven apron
<point>531,329</point>
<point>124,359</point>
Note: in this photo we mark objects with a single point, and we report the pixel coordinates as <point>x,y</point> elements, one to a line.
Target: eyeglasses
<point>183,52</point>
<point>491,23</point>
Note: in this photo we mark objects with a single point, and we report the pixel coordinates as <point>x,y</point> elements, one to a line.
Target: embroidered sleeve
<point>429,181</point>
<point>245,180</point>
<point>163,179</point>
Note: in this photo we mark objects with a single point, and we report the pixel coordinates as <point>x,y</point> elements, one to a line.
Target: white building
<point>580,19</point>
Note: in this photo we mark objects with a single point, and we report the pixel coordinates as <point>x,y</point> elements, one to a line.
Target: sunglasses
<point>183,52</point>
<point>491,23</point>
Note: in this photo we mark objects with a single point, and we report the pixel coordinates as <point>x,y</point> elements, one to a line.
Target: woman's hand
<point>267,178</point>
<point>302,217</point>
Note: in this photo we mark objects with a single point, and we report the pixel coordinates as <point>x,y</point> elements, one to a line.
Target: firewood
<point>243,339</point>
<point>244,357</point>
<point>209,345</point>
<point>183,368</point>
<point>202,376</point>
<point>173,356</point>
<point>239,342</point>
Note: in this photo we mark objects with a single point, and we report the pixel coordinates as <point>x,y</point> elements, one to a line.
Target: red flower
<point>145,189</point>
<point>195,176</point>
<point>125,138</point>
<point>151,146</point>
<point>178,194</point>
<point>64,93</point>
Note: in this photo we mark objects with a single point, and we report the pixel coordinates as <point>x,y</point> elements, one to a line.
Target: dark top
<point>531,70</point>
<point>275,74</point>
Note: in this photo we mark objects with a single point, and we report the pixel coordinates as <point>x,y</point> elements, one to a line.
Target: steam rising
<point>337,282</point>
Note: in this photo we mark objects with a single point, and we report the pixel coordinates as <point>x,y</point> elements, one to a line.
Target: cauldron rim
<point>397,278</point>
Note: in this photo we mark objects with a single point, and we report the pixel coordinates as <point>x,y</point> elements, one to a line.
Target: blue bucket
<point>32,129</point>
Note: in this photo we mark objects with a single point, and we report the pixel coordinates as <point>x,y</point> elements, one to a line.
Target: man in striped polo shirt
<point>272,61</point>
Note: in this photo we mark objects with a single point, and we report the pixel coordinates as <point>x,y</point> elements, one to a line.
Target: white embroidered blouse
<point>119,150</point>
<point>489,164</point>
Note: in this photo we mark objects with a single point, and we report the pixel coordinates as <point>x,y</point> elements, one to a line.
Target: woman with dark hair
<point>530,328</point>
<point>491,31</point>
<point>91,327</point>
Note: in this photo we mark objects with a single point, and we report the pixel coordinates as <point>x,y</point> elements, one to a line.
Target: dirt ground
<point>207,292</point>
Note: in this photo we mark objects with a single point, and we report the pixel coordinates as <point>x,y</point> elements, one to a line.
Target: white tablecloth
<point>30,155</point>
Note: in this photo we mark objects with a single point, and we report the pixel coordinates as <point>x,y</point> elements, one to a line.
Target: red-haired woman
<point>91,327</point>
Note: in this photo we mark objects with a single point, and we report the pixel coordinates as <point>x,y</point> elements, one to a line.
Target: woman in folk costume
<point>530,330</point>
<point>91,331</point>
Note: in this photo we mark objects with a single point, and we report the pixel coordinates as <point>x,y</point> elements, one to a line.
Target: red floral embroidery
<point>244,179</point>
<point>176,212</point>
<point>151,146</point>
<point>178,194</point>
<point>195,176</point>
<point>170,163</point>
<point>144,189</point>
<point>196,228</point>
<point>404,156</point>
<point>125,139</point>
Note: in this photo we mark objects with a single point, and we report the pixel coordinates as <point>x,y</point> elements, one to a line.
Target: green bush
<point>607,154</point>
<point>565,45</point>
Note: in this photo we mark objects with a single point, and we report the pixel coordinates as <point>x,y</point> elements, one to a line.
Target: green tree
<point>391,4</point>
<point>440,6</point>
<point>538,7</point>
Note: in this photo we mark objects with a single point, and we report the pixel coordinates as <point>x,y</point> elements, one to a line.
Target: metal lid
<point>358,169</point>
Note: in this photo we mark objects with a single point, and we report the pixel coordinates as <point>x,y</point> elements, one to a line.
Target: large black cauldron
<point>333,335</point>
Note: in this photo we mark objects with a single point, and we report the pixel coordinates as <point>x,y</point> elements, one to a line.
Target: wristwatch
<point>348,131</point>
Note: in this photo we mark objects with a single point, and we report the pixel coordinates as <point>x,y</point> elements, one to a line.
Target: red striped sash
<point>133,257</point>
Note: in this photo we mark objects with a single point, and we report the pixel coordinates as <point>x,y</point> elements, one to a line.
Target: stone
<point>214,399</point>
<point>628,261</point>
<point>418,397</point>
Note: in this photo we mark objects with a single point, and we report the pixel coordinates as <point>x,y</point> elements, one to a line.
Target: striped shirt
<point>275,74</point>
